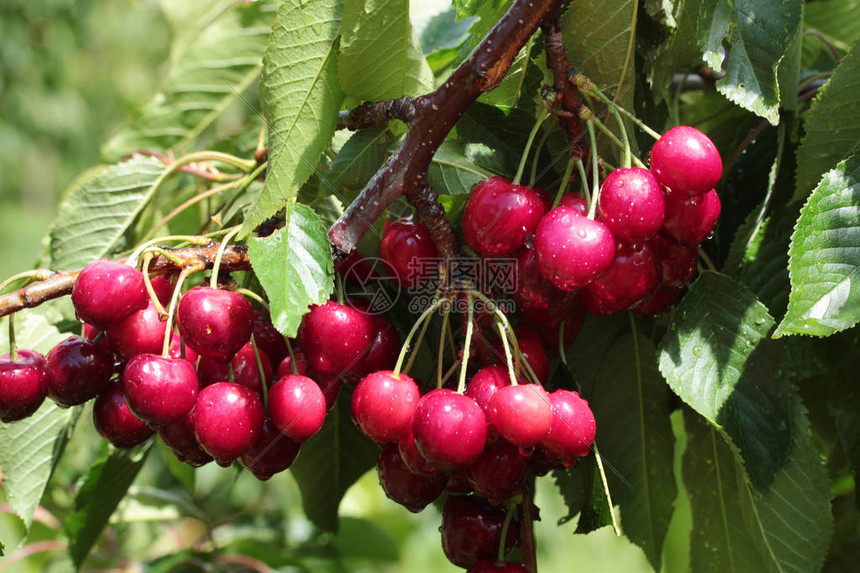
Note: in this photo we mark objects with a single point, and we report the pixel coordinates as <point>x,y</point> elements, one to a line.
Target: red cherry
<point>690,220</point>
<point>383,404</point>
<point>330,388</point>
<point>677,263</point>
<point>272,453</point>
<point>216,323</point>
<point>412,457</point>
<point>115,422</point>
<point>450,429</point>
<point>23,384</point>
<point>179,437</point>
<point>91,332</point>
<point>412,491</point>
<point>686,161</point>
<point>163,289</point>
<point>297,407</point>
<point>572,250</point>
<point>335,338</point>
<point>78,370</point>
<point>631,277</point>
<point>499,471</point>
<point>573,427</point>
<point>631,204</point>
<point>472,529</point>
<point>285,368</point>
<point>535,295</point>
<point>177,346</point>
<point>575,201</point>
<point>658,303</point>
<point>499,215</point>
<point>383,351</point>
<point>228,419</point>
<point>142,332</point>
<point>490,567</point>
<point>246,371</point>
<point>572,326</point>
<point>407,246</point>
<point>269,340</point>
<point>522,414</point>
<point>483,386</point>
<point>533,351</point>
<point>159,390</point>
<point>105,293</point>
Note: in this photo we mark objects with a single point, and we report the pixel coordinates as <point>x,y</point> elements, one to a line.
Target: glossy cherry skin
<point>499,472</point>
<point>246,371</point>
<point>269,340</point>
<point>484,385</point>
<point>383,404</point>
<point>383,351</point>
<point>573,427</point>
<point>450,429</point>
<point>177,346</point>
<point>23,384</point>
<point>535,295</point>
<point>106,293</point>
<point>686,161</point>
<point>490,567</point>
<point>499,215</point>
<point>78,370</point>
<point>228,419</point>
<point>216,323</point>
<point>297,407</point>
<point>412,457</point>
<point>272,453</point>
<point>285,368</point>
<point>408,247</point>
<point>335,338</point>
<point>159,390</point>
<point>632,277</point>
<point>658,303</point>
<point>677,263</point>
<point>575,201</point>
<point>330,388</point>
<point>522,414</point>
<point>572,250</point>
<point>690,220</point>
<point>412,491</point>
<point>163,289</point>
<point>472,529</point>
<point>179,437</point>
<point>142,332</point>
<point>631,204</point>
<point>115,422</point>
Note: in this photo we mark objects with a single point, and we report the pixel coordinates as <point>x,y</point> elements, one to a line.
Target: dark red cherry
<point>412,457</point>
<point>490,567</point>
<point>91,333</point>
<point>572,250</point>
<point>335,338</point>
<point>450,429</point>
<point>285,368</point>
<point>499,215</point>
<point>412,491</point>
<point>297,407</point>
<point>142,332</point>
<point>499,471</point>
<point>483,386</point>
<point>177,347</point>
<point>272,453</point>
<point>690,220</point>
<point>541,462</point>
<point>330,388</point>
<point>163,289</point>
<point>472,530</point>
<point>383,351</point>
<point>228,419</point>
<point>573,428</point>
<point>408,247</point>
<point>677,263</point>
<point>23,384</point>
<point>269,340</point>
<point>246,371</point>
<point>179,437</point>
<point>686,161</point>
<point>383,404</point>
<point>159,390</point>
<point>458,483</point>
<point>522,414</point>
<point>631,204</point>
<point>658,303</point>
<point>573,321</point>
<point>115,422</point>
<point>575,201</point>
<point>78,370</point>
<point>533,351</point>
<point>216,323</point>
<point>105,293</point>
<point>631,277</point>
<point>535,295</point>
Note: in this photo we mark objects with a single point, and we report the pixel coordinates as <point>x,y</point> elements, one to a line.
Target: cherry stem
<point>709,262</point>
<point>561,348</point>
<point>293,365</point>
<point>538,151</point>
<point>592,89</point>
<point>216,266</point>
<point>168,327</point>
<point>541,117</point>
<point>192,201</point>
<point>147,258</point>
<point>583,177</point>
<point>450,371</point>
<point>418,343</point>
<point>442,336</point>
<point>505,526</point>
<point>565,181</point>
<point>470,326</point>
<point>405,348</point>
<point>507,348</point>
<point>231,374</point>
<point>193,239</point>
<point>595,177</point>
<point>338,288</point>
<point>251,294</point>
<point>13,347</point>
<point>623,129</point>
<point>33,275</point>
<point>263,382</point>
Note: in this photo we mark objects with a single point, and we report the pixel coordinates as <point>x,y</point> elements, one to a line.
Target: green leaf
<point>215,58</point>
<point>359,158</point>
<point>295,267</point>
<point>452,172</point>
<point>824,257</point>
<point>505,135</point>
<point>833,125</point>
<point>713,358</point>
<point>737,528</point>
<point>103,488</point>
<point>837,19</point>
<point>758,35</point>
<point>662,12</point>
<point>596,512</point>
<point>94,217</point>
<point>300,96</point>
<point>330,462</point>
<point>185,474</point>
<point>520,85</point>
<point>380,57</point>
<point>765,268</point>
<point>680,51</point>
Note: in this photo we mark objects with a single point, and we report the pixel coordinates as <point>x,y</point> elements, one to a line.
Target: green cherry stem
<point>216,266</point>
<point>505,526</point>
<point>442,336</point>
<point>709,262</point>
<point>147,258</point>
<point>450,371</point>
<point>593,90</point>
<point>565,181</point>
<point>538,150</point>
<point>168,327</point>
<point>251,294</point>
<point>461,386</point>
<point>293,365</point>
<point>583,177</point>
<point>542,115</point>
<point>132,259</point>
<point>405,348</point>
<point>263,382</point>
<point>13,347</point>
<point>623,129</point>
<point>595,176</point>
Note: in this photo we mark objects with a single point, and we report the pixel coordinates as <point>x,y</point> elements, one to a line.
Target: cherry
<point>177,346</point>
<point>458,483</point>
<point>142,332</point>
<point>522,414</point>
<point>330,388</point>
<point>383,351</point>
<point>631,204</point>
<point>23,384</point>
<point>269,340</point>
<point>297,407</point>
<point>499,471</point>
<point>78,370</point>
<point>228,419</point>
<point>533,351</point>
<point>215,323</point>
<point>490,567</point>
<point>285,368</point>
<point>535,295</point>
<point>690,220</point>
<point>105,293</point>
<point>412,491</point>
<point>450,429</point>
<point>632,276</point>
<point>115,422</point>
<point>572,250</point>
<point>335,338</point>
<point>677,263</point>
<point>541,462</point>
<point>573,427</point>
<point>483,386</point>
<point>159,390</point>
<point>686,161</point>
<point>412,457</point>
<point>179,437</point>
<point>246,371</point>
<point>272,453</point>
<point>573,321</point>
<point>383,404</point>
<point>472,529</point>
<point>91,332</point>
<point>658,303</point>
<point>405,244</point>
<point>575,201</point>
<point>499,215</point>
<point>163,289</point>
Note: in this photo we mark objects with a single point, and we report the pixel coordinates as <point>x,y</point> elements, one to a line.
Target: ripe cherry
<point>412,491</point>
<point>272,453</point>
<point>269,340</point>
<point>78,370</point>
<point>408,247</point>
<point>297,407</point>
<point>105,293</point>
<point>142,332</point>
<point>159,390</point>
<point>412,457</point>
<point>383,351</point>
<point>490,567</point>
<point>383,405</point>
<point>686,161</point>
<point>658,303</point>
<point>228,419</point>
<point>535,295</point>
<point>472,530</point>
<point>632,276</point>
<point>483,386</point>
<point>163,289</point>
<point>285,368</point>
<point>522,414</point>
<point>499,215</point>
<point>631,204</point>
<point>572,250</point>
<point>246,371</point>
<point>115,422</point>
<point>23,384</point>
<point>330,388</point>
<point>573,427</point>
<point>499,471</point>
<point>574,200</point>
<point>690,220</point>
<point>677,263</point>
<point>450,429</point>
<point>179,437</point>
<point>216,323</point>
<point>335,338</point>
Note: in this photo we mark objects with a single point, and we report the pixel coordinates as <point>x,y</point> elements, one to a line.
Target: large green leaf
<point>764,269</point>
<point>680,51</point>
<point>452,172</point>
<point>300,95</point>
<point>94,216</point>
<point>359,158</point>
<point>833,125</point>
<point>505,135</point>
<point>738,529</point>
<point>837,19</point>
<point>824,257</point>
<point>104,486</point>
<point>713,358</point>
<point>215,59</point>
<point>380,57</point>
<point>757,36</point>
<point>330,462</point>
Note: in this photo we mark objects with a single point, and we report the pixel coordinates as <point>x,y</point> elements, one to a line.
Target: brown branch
<point>566,93</point>
<point>376,113</point>
<point>432,214</point>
